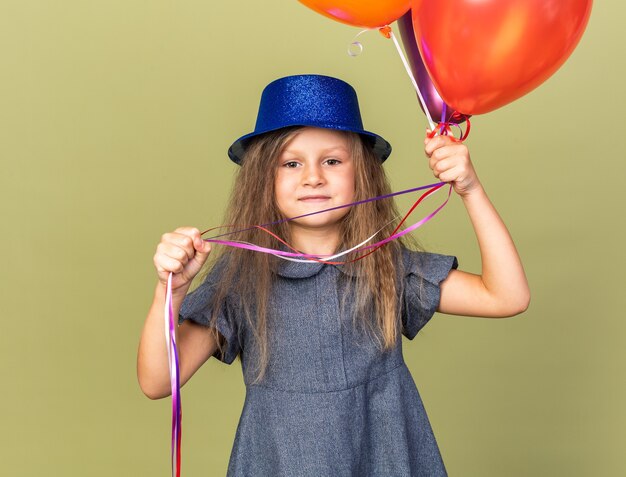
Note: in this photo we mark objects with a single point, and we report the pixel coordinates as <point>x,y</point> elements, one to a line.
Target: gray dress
<point>331,403</point>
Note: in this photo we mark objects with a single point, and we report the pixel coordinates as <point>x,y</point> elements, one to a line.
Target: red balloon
<point>484,54</point>
<point>361,13</point>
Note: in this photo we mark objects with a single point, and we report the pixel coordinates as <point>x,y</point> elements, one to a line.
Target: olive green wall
<point>114,121</point>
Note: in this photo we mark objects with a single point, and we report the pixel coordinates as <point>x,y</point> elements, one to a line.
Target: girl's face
<point>315,172</point>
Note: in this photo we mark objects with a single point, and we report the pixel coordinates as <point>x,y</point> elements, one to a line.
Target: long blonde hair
<point>376,278</point>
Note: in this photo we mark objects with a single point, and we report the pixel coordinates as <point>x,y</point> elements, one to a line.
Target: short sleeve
<point>196,307</point>
<point>423,272</point>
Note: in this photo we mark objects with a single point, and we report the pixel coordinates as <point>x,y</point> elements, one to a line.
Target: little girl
<point>327,389</point>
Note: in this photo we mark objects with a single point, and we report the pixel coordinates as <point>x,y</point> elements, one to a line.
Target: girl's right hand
<point>182,252</point>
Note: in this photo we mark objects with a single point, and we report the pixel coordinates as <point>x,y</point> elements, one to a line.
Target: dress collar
<point>289,269</point>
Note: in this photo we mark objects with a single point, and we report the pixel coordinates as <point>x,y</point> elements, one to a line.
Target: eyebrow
<point>324,151</point>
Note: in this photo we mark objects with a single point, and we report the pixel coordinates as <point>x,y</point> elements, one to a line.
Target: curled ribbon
<point>441,128</point>
<point>444,128</point>
<point>174,369</point>
<point>170,325</point>
<point>361,247</point>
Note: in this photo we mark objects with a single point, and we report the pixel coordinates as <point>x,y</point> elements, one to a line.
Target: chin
<point>307,223</point>
<point>321,221</point>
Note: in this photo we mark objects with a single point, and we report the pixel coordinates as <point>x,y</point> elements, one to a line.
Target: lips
<point>314,198</point>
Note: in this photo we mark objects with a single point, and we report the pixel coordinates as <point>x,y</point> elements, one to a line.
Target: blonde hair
<point>376,283</point>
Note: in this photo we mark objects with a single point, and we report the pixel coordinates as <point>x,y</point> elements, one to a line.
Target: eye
<point>332,161</point>
<point>290,164</point>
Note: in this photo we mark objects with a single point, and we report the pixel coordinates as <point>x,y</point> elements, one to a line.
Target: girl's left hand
<point>450,162</point>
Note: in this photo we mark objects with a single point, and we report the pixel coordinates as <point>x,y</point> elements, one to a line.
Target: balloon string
<point>371,199</point>
<point>174,370</point>
<point>170,325</point>
<point>317,258</point>
<point>356,44</point>
<point>255,248</point>
<point>341,254</point>
<point>423,196</point>
<point>387,32</point>
<point>455,118</point>
<point>377,246</point>
<point>443,128</point>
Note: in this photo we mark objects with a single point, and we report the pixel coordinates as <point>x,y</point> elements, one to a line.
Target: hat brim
<point>380,147</point>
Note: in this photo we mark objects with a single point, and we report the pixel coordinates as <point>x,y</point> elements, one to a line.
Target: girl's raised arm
<point>502,289</point>
<point>182,252</point>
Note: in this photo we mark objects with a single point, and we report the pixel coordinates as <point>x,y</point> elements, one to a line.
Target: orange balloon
<point>484,54</point>
<point>361,13</point>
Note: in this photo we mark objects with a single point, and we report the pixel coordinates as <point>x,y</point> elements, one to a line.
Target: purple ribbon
<point>174,369</point>
<point>257,248</point>
<point>170,326</point>
<point>364,201</point>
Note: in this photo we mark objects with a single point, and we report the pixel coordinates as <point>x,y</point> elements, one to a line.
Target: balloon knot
<point>385,31</point>
<point>444,129</point>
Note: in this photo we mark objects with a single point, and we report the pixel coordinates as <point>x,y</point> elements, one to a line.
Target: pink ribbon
<point>282,253</point>
<point>174,368</point>
<point>170,326</point>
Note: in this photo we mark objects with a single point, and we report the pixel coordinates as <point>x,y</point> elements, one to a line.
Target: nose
<point>313,175</point>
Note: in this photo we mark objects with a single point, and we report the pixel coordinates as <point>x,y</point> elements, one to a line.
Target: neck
<point>314,241</point>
